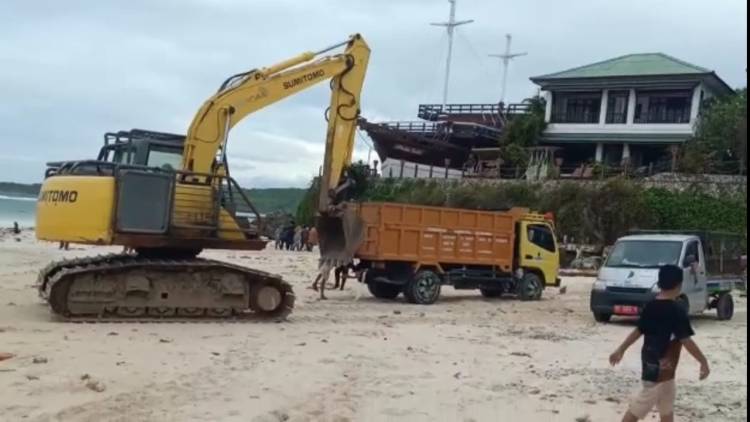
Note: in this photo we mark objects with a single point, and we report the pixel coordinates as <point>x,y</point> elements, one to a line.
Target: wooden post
<point>401,175</point>
<point>432,168</point>
<point>416,171</point>
<point>447,167</point>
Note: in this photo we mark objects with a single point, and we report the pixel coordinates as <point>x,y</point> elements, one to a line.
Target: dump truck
<point>415,250</point>
<point>713,264</point>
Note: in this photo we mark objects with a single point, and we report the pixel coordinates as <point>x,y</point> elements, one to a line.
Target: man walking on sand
<point>666,329</point>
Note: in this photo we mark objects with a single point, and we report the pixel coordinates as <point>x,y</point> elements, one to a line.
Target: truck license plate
<point>626,310</point>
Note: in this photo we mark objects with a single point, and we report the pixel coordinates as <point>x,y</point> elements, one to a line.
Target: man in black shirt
<point>666,329</point>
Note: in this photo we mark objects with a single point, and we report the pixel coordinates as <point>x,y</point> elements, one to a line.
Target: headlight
<point>600,285</point>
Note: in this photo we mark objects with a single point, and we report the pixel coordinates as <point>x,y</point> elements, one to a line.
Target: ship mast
<point>450,26</point>
<point>505,60</point>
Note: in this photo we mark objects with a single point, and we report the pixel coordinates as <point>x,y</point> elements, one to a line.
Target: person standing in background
<point>288,237</point>
<point>305,238</point>
<point>312,239</point>
<point>277,236</point>
<point>298,238</point>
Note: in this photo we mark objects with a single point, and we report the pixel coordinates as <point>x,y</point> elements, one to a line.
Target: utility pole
<point>450,26</point>
<point>506,58</point>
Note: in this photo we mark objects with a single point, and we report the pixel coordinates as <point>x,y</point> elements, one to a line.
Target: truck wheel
<point>423,288</point>
<point>725,307</point>
<point>602,317</point>
<point>530,287</point>
<point>491,293</point>
<point>384,290</point>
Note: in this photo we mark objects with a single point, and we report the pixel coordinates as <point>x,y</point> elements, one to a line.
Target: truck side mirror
<point>690,261</point>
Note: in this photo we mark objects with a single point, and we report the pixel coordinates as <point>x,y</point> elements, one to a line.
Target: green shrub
<point>590,213</point>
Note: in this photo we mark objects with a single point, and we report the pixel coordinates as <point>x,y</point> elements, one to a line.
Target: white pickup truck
<point>712,262</point>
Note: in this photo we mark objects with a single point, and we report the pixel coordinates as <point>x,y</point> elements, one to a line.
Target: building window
<point>617,107</point>
<point>663,106</point>
<point>576,107</point>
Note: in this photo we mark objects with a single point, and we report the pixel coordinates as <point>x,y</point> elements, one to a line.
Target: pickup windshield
<point>644,254</point>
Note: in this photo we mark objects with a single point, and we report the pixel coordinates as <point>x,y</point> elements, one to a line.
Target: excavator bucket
<point>340,237</point>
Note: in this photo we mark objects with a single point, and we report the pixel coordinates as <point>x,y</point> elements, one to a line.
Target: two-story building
<point>629,109</point>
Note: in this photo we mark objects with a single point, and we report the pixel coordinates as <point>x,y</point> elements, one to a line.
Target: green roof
<point>647,64</point>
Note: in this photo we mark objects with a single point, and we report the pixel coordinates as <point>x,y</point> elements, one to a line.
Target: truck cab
<point>628,279</point>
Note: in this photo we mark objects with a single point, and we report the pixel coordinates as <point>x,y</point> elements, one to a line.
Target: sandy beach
<point>351,358</point>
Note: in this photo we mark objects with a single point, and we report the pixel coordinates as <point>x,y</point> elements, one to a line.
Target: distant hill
<point>266,200</point>
<point>19,189</point>
<point>270,200</point>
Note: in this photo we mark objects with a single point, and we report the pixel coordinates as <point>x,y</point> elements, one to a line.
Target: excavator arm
<point>340,230</point>
<point>245,93</point>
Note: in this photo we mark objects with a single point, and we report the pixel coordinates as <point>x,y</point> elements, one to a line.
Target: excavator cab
<point>144,148</point>
<point>136,147</point>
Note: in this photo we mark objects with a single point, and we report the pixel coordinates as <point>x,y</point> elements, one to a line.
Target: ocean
<point>17,208</point>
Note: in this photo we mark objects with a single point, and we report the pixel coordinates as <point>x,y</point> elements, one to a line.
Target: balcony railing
<point>617,118</point>
<point>585,117</point>
<point>664,117</point>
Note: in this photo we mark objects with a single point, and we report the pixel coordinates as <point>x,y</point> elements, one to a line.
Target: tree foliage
<point>307,209</point>
<point>693,210</point>
<point>720,142</point>
<point>591,213</point>
<point>523,132</point>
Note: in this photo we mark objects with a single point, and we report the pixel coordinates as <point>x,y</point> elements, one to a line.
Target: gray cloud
<point>76,69</point>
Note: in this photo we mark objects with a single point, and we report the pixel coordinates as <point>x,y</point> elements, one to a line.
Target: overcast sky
<point>72,70</point>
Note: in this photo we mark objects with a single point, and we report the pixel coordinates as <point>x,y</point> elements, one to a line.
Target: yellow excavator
<point>168,197</point>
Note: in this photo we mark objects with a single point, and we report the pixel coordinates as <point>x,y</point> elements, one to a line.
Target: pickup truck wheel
<point>725,307</point>
<point>530,287</point>
<point>423,288</point>
<point>602,317</point>
<point>384,290</point>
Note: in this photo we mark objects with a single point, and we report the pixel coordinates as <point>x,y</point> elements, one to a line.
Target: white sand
<point>463,359</point>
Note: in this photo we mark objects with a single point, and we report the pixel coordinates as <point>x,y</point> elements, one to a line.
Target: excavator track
<point>124,287</point>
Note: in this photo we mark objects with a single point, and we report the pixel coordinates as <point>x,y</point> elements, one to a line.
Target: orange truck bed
<point>437,236</point>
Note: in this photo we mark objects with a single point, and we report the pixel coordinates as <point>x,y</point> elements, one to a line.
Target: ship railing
<point>436,111</point>
<point>412,126</point>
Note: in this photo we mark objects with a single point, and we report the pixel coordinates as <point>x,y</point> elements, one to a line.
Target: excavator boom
<point>341,232</point>
<point>251,91</point>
